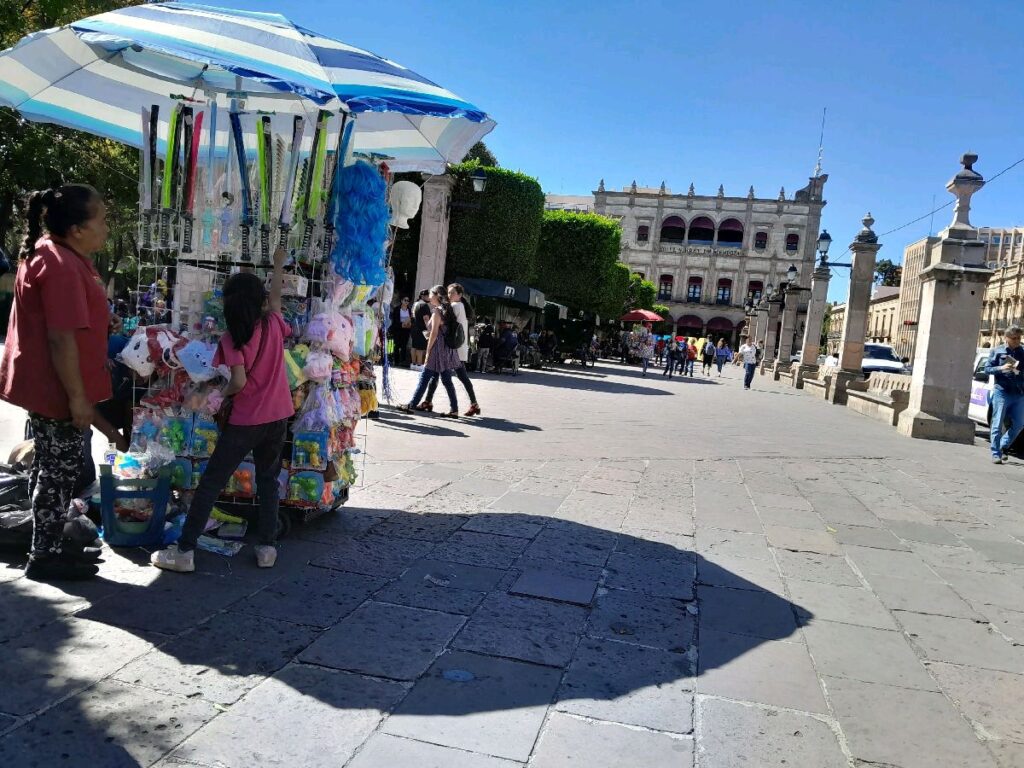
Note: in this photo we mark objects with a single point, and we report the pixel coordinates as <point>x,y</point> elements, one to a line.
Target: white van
<point>980,409</point>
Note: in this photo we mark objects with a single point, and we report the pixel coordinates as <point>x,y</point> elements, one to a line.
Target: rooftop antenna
<point>821,144</point>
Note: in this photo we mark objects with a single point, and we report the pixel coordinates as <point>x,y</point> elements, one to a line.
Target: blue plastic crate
<point>143,534</point>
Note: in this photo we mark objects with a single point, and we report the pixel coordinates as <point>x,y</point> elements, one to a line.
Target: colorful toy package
<point>176,434</point>
<point>181,474</point>
<point>243,481</point>
<point>309,450</point>
<point>306,488</point>
<point>204,436</point>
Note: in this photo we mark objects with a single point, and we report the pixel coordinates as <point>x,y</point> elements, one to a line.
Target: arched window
<point>730,233</point>
<point>760,241</point>
<point>792,243</point>
<point>694,289</point>
<point>724,295</point>
<point>673,230</point>
<point>643,233</point>
<point>702,231</point>
<point>754,290</point>
<point>665,287</point>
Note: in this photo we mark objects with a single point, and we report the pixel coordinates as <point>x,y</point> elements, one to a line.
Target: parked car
<point>877,357</point>
<point>980,408</point>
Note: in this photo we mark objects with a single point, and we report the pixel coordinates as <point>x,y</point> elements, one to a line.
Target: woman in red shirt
<point>54,360</point>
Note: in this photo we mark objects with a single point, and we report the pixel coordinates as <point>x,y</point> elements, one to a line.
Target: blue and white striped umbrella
<point>96,74</point>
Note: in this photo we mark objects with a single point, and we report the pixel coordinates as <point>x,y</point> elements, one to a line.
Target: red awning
<point>720,324</point>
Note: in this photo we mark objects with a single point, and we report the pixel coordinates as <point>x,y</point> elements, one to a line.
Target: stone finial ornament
<point>867,235</point>
<point>662,190</point>
<point>750,192</point>
<point>600,186</point>
<point>632,187</point>
<point>721,191</point>
<point>782,194</point>
<point>963,186</point>
<point>691,193</point>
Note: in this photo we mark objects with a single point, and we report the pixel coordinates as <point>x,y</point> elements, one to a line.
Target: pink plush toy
<point>318,365</point>
<point>340,335</point>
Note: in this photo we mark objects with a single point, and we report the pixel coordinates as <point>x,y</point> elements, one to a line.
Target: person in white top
<point>455,294</point>
<point>748,353</point>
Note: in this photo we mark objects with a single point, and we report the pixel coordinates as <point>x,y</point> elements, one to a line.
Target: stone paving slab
<point>479,704</point>
<point>961,641</point>
<point>848,605</point>
<point>303,716</point>
<point>777,673</point>
<point>319,597</point>
<point>570,740</point>
<point>656,622</point>
<point>903,727</point>
<point>759,614</point>
<point>382,749</point>
<point>809,566</point>
<point>735,734</point>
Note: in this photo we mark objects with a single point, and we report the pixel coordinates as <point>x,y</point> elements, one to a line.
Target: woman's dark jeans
<point>463,375</point>
<point>428,376</point>
<point>266,442</point>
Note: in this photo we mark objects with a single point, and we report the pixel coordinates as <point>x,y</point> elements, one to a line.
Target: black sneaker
<point>54,569</point>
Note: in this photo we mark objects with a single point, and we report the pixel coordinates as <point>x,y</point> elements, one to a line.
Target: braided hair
<point>59,210</point>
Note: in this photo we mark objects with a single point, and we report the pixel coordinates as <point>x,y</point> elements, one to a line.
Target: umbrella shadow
<point>427,616</point>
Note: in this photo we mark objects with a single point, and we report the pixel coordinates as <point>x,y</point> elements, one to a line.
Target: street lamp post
<point>790,291</point>
<point>811,346</point>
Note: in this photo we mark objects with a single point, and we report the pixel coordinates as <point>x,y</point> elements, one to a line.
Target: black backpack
<point>454,336</point>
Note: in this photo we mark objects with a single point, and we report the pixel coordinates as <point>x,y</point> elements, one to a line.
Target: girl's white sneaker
<point>266,555</point>
<point>173,559</point>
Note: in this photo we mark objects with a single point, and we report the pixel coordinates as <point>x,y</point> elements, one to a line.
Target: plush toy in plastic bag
<point>136,354</point>
<point>196,358</point>
<point>361,224</point>
<point>294,362</point>
<point>318,365</point>
<point>340,334</point>
<point>317,330</point>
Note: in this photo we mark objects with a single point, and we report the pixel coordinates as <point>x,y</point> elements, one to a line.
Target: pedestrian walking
<point>691,356</point>
<point>659,351</point>
<point>258,404</point>
<point>1005,366</point>
<point>455,296</point>
<point>722,355</point>
<point>442,359</point>
<point>54,360</point>
<point>645,346</point>
<point>708,358</point>
<point>748,355</point>
<point>418,336</point>
<point>401,330</point>
<point>672,358</point>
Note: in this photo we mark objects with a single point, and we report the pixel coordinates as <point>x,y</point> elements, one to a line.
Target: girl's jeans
<point>266,442</point>
<point>426,376</point>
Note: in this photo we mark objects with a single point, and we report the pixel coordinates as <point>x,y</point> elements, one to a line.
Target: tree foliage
<point>888,273</point>
<point>575,258</point>
<point>37,156</point>
<point>494,233</point>
<point>482,154</point>
<point>641,294</point>
<point>616,291</point>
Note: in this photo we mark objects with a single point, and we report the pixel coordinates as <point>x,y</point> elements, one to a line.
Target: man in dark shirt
<point>1005,366</point>
<point>420,315</point>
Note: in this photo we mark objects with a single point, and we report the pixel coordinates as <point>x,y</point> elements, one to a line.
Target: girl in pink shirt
<point>253,348</point>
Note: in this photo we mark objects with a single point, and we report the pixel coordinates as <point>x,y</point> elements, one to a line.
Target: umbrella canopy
<point>96,74</point>
<point>641,316</point>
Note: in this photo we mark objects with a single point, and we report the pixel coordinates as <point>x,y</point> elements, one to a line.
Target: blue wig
<point>361,224</point>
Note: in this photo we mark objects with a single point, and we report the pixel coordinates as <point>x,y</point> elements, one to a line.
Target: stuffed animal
<point>196,358</point>
<point>318,365</point>
<point>136,354</point>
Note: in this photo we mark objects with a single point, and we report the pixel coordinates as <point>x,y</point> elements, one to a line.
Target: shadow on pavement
<point>486,618</point>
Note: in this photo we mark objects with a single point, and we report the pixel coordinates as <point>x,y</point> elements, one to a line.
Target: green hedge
<point>499,239</point>
<point>576,257</point>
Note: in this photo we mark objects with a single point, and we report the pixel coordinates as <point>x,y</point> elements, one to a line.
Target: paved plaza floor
<point>604,570</point>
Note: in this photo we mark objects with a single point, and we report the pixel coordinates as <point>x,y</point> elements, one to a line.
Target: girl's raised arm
<point>277,280</point>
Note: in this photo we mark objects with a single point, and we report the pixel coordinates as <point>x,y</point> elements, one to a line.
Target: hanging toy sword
<point>285,219</point>
<point>265,159</point>
<point>334,184</point>
<point>245,189</point>
<point>170,171</point>
<point>192,137</point>
<point>149,114</point>
<point>314,181</point>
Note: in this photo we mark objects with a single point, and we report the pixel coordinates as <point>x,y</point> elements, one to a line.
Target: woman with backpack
<point>708,358</point>
<point>443,342</point>
<point>256,419</point>
<point>455,295</point>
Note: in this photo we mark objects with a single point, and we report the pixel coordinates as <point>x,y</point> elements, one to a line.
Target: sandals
<point>404,408</point>
<point>474,410</point>
<point>426,405</point>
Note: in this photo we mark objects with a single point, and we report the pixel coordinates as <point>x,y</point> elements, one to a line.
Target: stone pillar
<point>433,253</point>
<point>760,322</point>
<point>787,333</point>
<point>952,291</point>
<point>771,335</point>
<point>851,345</point>
<point>811,346</point>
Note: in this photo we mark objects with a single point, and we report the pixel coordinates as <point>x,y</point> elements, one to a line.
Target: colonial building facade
<point>708,255</point>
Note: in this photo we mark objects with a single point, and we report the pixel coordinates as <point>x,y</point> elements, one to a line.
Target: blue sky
<point>728,93</point>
